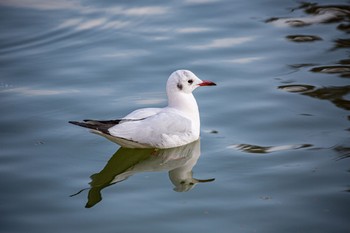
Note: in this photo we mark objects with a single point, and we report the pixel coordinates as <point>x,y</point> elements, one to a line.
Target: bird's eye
<point>190,81</point>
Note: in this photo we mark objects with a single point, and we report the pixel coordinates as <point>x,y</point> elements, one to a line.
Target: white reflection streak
<point>70,23</point>
<point>91,24</point>
<point>222,43</point>
<point>145,11</point>
<point>37,92</point>
<point>244,60</point>
<point>192,30</point>
<point>160,38</point>
<point>116,24</point>
<point>133,53</point>
<point>79,24</point>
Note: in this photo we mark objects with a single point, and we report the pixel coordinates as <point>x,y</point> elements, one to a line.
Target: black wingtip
<point>82,124</point>
<point>75,122</point>
<point>103,128</point>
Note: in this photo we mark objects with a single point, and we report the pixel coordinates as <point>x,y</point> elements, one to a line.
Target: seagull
<point>172,126</point>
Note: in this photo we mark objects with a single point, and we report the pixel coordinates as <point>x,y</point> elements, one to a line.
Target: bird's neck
<point>186,103</point>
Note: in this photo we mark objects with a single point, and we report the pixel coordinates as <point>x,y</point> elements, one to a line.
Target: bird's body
<point>175,125</point>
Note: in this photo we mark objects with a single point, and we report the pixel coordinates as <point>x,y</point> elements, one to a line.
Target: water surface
<point>274,149</point>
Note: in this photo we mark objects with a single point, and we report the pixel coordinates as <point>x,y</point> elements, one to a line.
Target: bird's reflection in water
<point>126,162</point>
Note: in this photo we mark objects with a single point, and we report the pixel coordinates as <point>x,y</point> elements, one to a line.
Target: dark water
<point>275,131</point>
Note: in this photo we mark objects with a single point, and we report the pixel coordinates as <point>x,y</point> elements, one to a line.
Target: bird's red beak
<point>207,83</point>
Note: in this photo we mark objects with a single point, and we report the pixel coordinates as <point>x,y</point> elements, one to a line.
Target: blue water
<point>274,149</point>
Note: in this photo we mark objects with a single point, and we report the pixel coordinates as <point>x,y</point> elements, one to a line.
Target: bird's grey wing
<point>103,125</point>
<point>142,113</point>
<point>162,128</point>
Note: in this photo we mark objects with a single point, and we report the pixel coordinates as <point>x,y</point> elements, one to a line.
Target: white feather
<point>166,129</point>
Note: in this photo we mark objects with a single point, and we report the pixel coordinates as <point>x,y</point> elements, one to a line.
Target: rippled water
<point>274,149</point>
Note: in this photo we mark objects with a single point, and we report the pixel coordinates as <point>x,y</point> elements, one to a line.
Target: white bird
<point>172,126</point>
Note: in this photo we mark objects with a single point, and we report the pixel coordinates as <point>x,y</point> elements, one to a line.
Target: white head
<point>185,81</point>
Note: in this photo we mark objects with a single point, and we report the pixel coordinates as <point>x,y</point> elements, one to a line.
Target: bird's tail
<point>101,126</point>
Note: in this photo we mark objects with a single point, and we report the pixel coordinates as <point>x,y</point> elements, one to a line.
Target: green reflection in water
<point>126,162</point>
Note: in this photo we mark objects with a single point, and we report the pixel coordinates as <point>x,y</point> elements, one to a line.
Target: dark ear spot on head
<point>179,85</point>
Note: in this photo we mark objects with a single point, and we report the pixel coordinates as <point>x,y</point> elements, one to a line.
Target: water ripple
<point>303,38</point>
<point>67,32</point>
<point>296,88</point>
<point>267,149</point>
<point>317,14</point>
<point>344,71</point>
